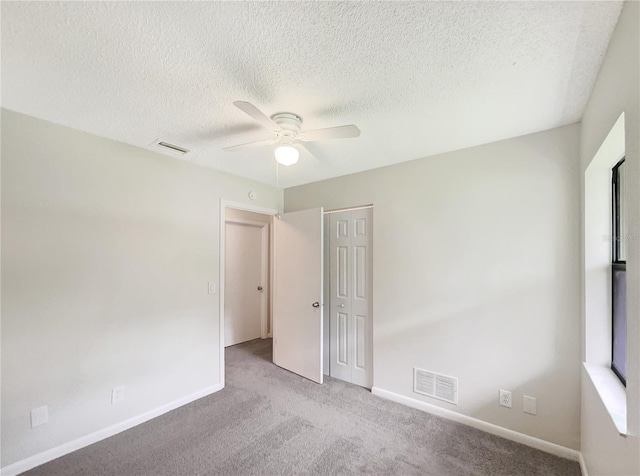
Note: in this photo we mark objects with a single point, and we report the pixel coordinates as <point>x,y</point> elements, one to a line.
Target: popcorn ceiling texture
<point>418,78</point>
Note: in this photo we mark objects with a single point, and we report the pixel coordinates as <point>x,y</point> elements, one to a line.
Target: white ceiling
<point>418,78</point>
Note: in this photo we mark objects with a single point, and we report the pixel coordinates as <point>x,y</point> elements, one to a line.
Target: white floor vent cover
<point>431,384</point>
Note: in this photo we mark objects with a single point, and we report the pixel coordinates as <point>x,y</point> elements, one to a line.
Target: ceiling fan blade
<point>250,145</point>
<point>340,132</point>
<point>256,114</point>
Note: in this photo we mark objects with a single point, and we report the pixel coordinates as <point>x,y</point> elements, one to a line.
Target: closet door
<point>341,286</point>
<point>350,262</point>
<point>361,319</point>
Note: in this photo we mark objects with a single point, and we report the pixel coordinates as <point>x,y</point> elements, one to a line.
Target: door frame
<point>224,204</point>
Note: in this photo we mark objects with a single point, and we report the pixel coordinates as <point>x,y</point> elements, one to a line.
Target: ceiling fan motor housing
<point>289,123</point>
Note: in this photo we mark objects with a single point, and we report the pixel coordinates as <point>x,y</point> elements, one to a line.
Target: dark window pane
<point>619,321</point>
<point>618,273</point>
<point>622,214</point>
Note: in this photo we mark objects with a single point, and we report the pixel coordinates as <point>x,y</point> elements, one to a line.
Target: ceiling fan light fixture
<point>287,155</point>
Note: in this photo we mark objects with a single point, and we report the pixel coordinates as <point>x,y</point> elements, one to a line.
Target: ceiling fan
<point>285,127</point>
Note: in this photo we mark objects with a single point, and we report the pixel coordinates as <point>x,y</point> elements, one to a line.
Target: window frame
<point>617,264</point>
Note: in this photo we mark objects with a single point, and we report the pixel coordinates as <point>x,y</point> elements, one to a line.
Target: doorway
<point>247,283</point>
<point>306,333</point>
<point>245,275</point>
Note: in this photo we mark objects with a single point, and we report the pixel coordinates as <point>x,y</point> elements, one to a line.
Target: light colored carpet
<point>269,421</point>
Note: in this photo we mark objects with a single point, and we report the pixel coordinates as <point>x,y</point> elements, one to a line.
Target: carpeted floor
<point>269,421</point>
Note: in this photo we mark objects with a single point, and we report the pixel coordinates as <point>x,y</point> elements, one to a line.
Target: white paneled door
<point>350,328</point>
<point>297,298</point>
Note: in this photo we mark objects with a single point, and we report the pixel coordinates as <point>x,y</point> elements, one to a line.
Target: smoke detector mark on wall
<point>431,384</point>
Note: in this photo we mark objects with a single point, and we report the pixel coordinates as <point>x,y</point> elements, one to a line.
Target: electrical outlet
<point>505,398</point>
<point>39,416</point>
<point>117,394</point>
<point>529,405</point>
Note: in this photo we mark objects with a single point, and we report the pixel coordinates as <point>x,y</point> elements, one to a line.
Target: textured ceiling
<point>418,78</point>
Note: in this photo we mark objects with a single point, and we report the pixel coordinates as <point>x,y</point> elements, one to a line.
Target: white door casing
<point>246,271</point>
<point>297,293</point>
<point>351,329</point>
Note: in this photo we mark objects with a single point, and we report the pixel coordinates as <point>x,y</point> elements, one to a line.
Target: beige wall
<point>106,254</point>
<point>476,275</point>
<point>616,91</point>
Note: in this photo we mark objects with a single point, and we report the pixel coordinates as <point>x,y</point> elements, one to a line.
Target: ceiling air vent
<point>435,385</point>
<point>171,149</point>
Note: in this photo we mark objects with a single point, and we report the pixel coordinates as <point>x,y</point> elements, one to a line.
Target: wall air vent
<point>431,384</point>
<point>171,149</point>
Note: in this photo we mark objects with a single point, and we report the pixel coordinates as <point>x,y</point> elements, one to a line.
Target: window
<point>619,274</point>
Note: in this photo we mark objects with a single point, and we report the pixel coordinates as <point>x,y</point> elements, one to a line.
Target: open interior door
<point>297,298</point>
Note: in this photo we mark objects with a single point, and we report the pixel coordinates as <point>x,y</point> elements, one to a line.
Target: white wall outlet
<point>117,394</point>
<point>529,405</point>
<point>505,398</point>
<point>212,287</point>
<point>39,416</point>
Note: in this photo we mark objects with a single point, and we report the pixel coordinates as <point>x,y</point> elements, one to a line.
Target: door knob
<point>316,304</point>
<point>341,305</point>
<point>259,288</point>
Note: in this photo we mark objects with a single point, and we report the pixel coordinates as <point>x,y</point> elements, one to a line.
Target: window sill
<point>612,393</point>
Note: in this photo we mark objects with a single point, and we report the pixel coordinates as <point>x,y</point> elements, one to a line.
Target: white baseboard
<point>583,466</point>
<point>74,445</point>
<point>527,440</point>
